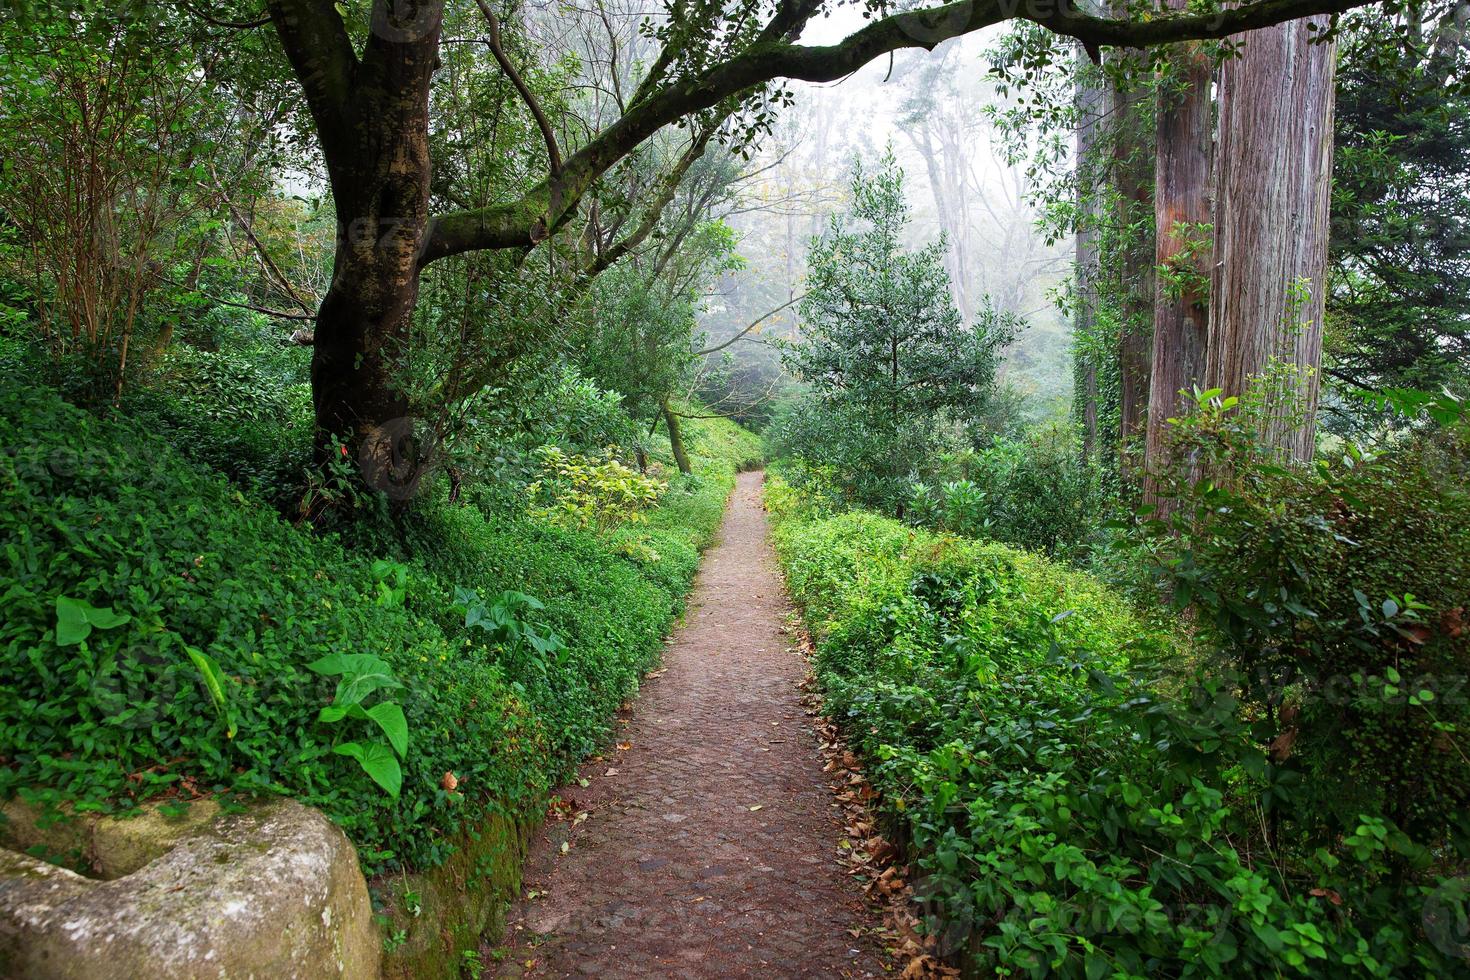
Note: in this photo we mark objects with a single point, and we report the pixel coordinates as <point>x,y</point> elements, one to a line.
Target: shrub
<point>1338,593</point>
<point>590,491</point>
<point>104,513</point>
<point>1077,802</point>
<point>233,416</point>
<point>1034,493</point>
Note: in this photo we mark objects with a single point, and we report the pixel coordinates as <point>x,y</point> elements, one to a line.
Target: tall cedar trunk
<point>676,438</point>
<point>1089,106</point>
<point>1132,178</point>
<point>1181,198</point>
<point>1273,192</point>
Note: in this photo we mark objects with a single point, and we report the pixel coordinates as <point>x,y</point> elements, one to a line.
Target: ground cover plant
<point>167,636</point>
<point>1076,800</point>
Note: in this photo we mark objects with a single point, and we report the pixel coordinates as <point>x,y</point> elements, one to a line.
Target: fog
<point>930,108</point>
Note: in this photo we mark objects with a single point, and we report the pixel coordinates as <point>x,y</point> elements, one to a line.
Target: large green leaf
<point>356,686</point>
<point>76,618</point>
<point>378,761</point>
<point>389,717</point>
<point>214,683</point>
<point>362,674</point>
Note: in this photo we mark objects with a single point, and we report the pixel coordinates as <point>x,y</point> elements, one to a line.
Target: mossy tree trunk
<point>676,438</point>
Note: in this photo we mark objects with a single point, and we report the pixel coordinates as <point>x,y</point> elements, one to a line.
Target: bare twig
<point>749,327</point>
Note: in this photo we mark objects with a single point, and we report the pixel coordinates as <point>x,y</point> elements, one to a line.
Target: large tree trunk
<point>1181,210</point>
<point>374,128</point>
<point>1131,173</point>
<point>1273,194</point>
<point>1089,107</point>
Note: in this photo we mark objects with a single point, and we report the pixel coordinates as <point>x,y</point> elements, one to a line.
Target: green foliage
<point>362,675</point>
<point>163,630</point>
<point>1035,493</point>
<point>884,350</point>
<point>495,448</point>
<point>590,492</point>
<point>76,618</point>
<point>1075,803</point>
<point>231,413</point>
<point>1399,303</point>
<point>1338,593</point>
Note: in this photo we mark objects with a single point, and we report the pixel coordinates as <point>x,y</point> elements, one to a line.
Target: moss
<point>95,845</point>
<point>460,903</point>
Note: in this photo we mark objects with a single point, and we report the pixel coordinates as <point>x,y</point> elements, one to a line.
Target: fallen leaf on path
<point>756,807</point>
<point>611,772</point>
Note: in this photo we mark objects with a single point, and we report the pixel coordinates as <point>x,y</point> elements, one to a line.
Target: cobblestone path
<point>709,848</point>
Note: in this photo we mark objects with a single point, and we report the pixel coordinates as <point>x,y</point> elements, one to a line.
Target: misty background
<point>931,108</point>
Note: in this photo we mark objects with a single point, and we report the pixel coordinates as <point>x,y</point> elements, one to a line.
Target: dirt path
<point>711,841</point>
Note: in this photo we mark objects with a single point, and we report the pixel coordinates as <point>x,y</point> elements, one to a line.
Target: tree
<point>112,144</point>
<point>1273,189</point>
<point>1089,103</point>
<point>369,101</point>
<point>882,343</point>
<point>1398,313</point>
<point>1130,243</point>
<point>1183,235</point>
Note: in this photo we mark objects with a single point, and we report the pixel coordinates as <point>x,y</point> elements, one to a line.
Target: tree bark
<point>1131,173</point>
<point>1181,206</point>
<point>1273,194</point>
<point>1089,107</point>
<point>372,118</point>
<point>676,438</point>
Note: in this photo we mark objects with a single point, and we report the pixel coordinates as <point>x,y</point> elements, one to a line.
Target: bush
<point>1338,592</point>
<point>590,491</point>
<point>1075,801</point>
<point>1034,493</point>
<point>210,619</point>
<point>224,411</point>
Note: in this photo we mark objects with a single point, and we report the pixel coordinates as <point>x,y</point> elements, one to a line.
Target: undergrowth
<point>209,609</point>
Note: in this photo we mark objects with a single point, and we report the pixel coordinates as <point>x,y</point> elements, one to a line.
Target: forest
<point>759,488</point>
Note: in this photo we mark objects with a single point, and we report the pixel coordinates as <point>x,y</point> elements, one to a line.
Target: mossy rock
<point>273,891</point>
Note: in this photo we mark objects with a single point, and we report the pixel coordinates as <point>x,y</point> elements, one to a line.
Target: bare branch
<point>749,327</point>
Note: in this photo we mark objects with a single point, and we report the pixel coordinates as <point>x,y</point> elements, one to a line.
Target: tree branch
<point>321,56</point>
<point>750,326</point>
<point>239,25</point>
<point>653,213</point>
<point>765,61</point>
<point>553,154</point>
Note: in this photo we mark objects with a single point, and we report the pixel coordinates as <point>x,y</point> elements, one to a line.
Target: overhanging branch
<point>553,154</point>
<point>750,326</point>
<point>768,60</point>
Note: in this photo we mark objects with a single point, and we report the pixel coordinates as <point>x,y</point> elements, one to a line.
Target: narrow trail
<point>710,848</point>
